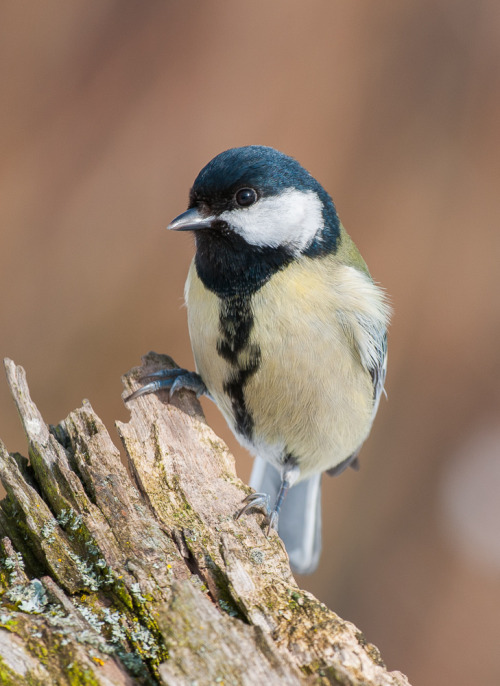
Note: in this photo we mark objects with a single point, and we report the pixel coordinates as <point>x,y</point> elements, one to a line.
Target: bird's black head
<point>254,210</point>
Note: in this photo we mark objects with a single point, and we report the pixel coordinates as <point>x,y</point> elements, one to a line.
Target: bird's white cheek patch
<point>291,219</point>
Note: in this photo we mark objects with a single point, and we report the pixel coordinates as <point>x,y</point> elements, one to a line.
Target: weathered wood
<point>143,576</point>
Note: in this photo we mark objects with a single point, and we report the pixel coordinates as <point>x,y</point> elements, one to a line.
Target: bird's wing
<point>378,370</point>
<point>376,365</point>
<point>352,461</point>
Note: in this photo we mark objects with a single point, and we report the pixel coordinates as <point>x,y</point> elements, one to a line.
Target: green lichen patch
<point>69,519</point>
<point>8,621</point>
<point>257,556</point>
<point>47,530</point>
<point>11,569</point>
<point>7,676</point>
<point>30,598</point>
<point>133,637</point>
<point>81,676</point>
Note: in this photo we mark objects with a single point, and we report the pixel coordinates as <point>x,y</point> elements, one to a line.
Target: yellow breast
<point>310,396</point>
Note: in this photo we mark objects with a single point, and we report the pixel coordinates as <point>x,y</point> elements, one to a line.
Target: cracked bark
<point>109,576</point>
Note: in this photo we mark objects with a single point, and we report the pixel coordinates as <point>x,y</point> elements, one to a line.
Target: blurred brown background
<point>108,111</point>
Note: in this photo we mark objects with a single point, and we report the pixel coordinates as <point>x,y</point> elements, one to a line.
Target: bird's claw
<point>171,380</point>
<point>273,522</point>
<point>261,501</point>
<point>189,381</point>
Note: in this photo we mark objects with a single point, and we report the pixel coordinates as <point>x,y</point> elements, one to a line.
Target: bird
<point>288,332</point>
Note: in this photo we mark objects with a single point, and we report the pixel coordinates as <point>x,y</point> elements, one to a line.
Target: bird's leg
<point>289,476</point>
<point>284,486</point>
<point>172,380</point>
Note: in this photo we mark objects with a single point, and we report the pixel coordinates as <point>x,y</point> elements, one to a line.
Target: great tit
<point>288,330</point>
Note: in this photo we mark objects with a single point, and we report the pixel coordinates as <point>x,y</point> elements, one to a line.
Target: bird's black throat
<point>229,266</point>
<point>234,270</point>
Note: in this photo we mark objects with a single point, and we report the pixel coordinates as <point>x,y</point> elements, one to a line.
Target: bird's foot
<point>262,502</point>
<point>290,474</point>
<point>171,380</point>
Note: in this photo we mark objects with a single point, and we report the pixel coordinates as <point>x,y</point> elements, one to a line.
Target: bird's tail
<point>299,524</point>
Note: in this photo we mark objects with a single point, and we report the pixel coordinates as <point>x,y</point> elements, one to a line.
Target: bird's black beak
<point>191,220</point>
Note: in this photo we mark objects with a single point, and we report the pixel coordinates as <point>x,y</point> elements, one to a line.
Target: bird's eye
<point>246,197</point>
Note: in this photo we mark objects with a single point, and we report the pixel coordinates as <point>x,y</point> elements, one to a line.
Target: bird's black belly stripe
<point>235,325</point>
<point>234,388</point>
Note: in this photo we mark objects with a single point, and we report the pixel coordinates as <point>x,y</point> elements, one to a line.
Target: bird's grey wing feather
<point>299,524</point>
<point>352,461</point>
<point>378,371</point>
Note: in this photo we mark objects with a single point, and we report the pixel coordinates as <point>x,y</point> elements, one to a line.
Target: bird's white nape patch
<point>291,219</point>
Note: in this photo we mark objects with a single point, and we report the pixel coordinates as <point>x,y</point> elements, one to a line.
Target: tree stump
<point>140,574</point>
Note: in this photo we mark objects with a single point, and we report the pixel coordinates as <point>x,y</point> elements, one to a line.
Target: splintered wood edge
<point>174,524</point>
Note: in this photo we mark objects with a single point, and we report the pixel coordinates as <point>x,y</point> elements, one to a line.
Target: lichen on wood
<point>140,573</point>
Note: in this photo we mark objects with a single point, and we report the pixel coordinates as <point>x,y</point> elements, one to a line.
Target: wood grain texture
<point>140,574</point>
